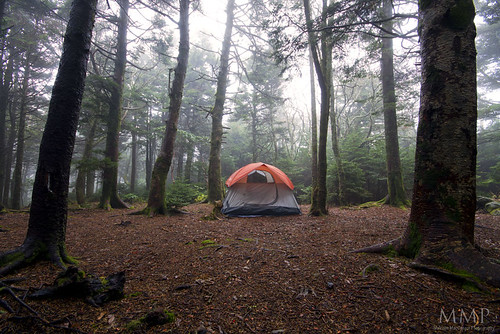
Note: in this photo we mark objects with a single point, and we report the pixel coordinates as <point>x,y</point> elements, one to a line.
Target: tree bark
<point>395,187</point>
<point>156,199</point>
<point>46,234</point>
<point>18,169</point>
<point>110,198</point>
<point>440,233</point>
<point>215,189</point>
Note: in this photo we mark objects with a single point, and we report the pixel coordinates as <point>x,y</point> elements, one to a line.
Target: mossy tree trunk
<point>46,234</point>
<point>440,233</point>
<point>322,64</point>
<point>156,199</point>
<point>395,187</point>
<point>110,198</point>
<point>215,188</point>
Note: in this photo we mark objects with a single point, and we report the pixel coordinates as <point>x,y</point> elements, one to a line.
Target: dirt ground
<point>292,274</point>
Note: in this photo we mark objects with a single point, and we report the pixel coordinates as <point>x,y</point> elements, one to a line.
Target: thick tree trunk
<point>83,170</point>
<point>4,103</point>
<point>109,197</point>
<point>395,187</point>
<point>3,112</point>
<point>156,199</point>
<point>18,169</point>
<point>46,234</point>
<point>215,189</point>
<point>440,233</point>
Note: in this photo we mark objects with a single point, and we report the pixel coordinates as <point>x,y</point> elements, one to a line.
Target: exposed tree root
<point>448,275</point>
<point>382,248</point>
<point>446,253</point>
<point>402,204</point>
<point>29,253</point>
<point>151,211</point>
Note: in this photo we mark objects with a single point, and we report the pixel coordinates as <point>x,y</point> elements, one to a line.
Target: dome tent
<point>259,189</point>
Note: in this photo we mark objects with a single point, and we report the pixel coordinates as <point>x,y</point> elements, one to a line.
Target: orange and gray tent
<point>259,189</point>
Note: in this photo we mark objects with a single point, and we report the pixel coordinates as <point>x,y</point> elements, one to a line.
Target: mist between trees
<point>267,113</point>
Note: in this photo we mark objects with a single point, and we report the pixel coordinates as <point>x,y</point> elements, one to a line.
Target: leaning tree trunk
<point>156,199</point>
<point>109,197</point>
<point>440,233</point>
<point>215,189</point>
<point>46,234</point>
<point>396,192</point>
<point>18,169</point>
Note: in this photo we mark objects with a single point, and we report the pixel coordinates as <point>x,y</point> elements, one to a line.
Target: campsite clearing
<point>288,274</point>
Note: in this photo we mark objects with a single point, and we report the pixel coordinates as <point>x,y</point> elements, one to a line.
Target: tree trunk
<point>440,233</point>
<point>133,173</point>
<point>321,64</point>
<point>149,153</point>
<point>4,103</point>
<point>9,152</point>
<point>180,161</point>
<point>18,169</point>
<point>215,189</point>
<point>314,132</point>
<point>395,187</point>
<point>255,121</point>
<point>189,161</point>
<point>46,234</point>
<point>156,199</point>
<point>336,148</point>
<point>109,197</point>
<point>83,170</point>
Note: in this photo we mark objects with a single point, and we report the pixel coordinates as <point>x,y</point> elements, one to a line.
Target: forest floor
<point>292,274</point>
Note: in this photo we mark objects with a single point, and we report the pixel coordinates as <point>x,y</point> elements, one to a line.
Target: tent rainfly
<point>259,189</point>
